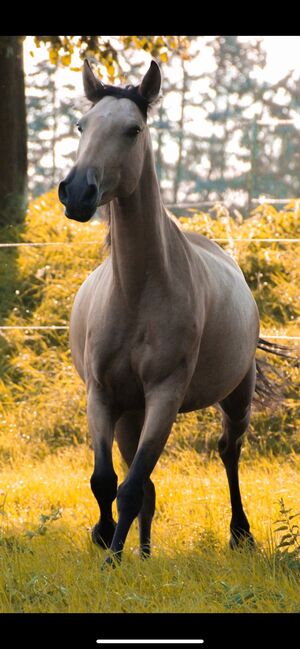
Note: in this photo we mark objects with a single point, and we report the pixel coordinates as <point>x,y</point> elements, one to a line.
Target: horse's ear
<point>93,88</point>
<point>150,86</point>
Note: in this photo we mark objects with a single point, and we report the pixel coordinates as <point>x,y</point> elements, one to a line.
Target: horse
<point>166,324</point>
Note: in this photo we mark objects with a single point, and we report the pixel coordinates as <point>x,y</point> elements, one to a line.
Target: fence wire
<point>94,243</point>
<point>27,328</point>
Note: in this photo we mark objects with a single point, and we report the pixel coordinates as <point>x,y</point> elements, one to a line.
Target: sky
<point>283,54</point>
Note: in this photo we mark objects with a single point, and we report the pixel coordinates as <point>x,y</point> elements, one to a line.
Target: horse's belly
<point>210,384</point>
<point>226,353</point>
<point>208,388</point>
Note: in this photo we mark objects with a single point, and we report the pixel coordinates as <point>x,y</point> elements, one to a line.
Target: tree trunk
<point>13,132</point>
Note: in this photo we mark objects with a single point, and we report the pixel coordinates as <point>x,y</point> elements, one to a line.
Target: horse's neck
<point>140,235</point>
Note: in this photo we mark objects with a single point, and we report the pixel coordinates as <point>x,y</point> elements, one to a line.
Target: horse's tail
<point>271,382</point>
<point>273,348</point>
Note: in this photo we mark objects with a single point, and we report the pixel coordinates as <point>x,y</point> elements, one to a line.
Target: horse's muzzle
<point>79,193</point>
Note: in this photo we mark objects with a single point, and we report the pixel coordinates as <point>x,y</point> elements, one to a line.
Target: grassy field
<point>48,562</point>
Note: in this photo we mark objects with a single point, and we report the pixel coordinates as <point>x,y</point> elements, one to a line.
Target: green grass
<point>48,563</point>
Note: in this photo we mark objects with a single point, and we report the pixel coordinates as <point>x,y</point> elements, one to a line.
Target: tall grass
<point>46,506</point>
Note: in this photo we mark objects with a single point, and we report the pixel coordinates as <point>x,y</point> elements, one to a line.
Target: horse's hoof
<point>145,552</point>
<point>102,534</point>
<point>241,539</point>
<point>111,562</point>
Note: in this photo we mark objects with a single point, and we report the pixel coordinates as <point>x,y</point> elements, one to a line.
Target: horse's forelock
<point>128,92</point>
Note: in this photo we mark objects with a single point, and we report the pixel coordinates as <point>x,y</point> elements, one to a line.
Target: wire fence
<point>25,244</point>
<point>27,328</point>
<point>94,243</point>
<point>260,200</point>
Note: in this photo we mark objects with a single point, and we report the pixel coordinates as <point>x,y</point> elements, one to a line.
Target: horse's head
<point>112,145</point>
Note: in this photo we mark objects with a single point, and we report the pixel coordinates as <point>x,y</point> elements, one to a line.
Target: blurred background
<point>226,127</point>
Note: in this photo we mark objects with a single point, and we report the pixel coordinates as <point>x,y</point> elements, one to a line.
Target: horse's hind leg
<point>236,416</point>
<point>127,432</point>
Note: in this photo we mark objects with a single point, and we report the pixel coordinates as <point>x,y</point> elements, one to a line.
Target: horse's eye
<point>79,127</point>
<point>133,131</point>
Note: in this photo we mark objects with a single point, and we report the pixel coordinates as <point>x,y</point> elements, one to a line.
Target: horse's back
<point>203,244</point>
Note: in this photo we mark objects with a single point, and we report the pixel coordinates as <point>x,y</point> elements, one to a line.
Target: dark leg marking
<point>128,430</point>
<point>104,480</point>
<point>161,408</point>
<point>104,487</point>
<point>236,416</point>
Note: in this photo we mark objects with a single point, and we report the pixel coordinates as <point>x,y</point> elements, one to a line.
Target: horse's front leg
<point>104,480</point>
<point>161,409</point>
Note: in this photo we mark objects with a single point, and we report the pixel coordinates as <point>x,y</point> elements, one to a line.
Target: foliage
<point>43,399</point>
<point>106,49</point>
<point>269,267</point>
<point>288,548</point>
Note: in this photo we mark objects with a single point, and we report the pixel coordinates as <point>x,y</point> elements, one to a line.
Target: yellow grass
<point>55,567</point>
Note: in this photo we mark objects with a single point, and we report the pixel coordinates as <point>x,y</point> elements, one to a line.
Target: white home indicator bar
<point>148,641</point>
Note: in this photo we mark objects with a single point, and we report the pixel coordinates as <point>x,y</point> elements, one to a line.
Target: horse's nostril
<point>62,192</point>
<point>78,195</point>
<point>91,192</point>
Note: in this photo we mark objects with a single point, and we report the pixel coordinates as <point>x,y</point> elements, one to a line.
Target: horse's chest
<point>126,356</point>
<point>110,363</point>
<point>120,381</point>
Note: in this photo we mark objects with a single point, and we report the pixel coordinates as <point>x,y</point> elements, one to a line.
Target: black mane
<point>129,92</point>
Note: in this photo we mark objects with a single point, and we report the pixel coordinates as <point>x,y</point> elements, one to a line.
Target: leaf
<point>110,69</point>
<point>286,536</point>
<point>159,42</point>
<point>30,534</point>
<point>44,518</point>
<point>164,57</point>
<point>53,55</point>
<point>237,599</point>
<point>66,59</point>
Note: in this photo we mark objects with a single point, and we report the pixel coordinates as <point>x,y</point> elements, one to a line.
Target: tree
<point>277,140</point>
<point>13,158</point>
<point>231,89</point>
